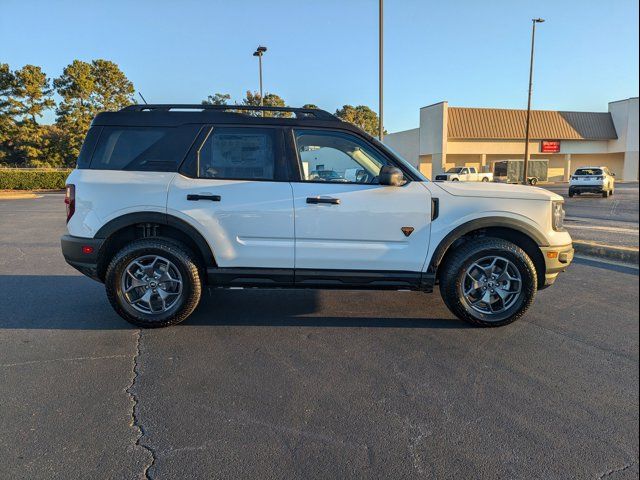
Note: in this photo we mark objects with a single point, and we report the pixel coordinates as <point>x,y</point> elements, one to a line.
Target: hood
<point>497,190</point>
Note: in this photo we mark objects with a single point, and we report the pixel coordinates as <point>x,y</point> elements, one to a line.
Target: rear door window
<point>239,153</point>
<point>142,148</point>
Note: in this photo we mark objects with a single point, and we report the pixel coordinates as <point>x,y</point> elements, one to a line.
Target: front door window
<point>336,157</point>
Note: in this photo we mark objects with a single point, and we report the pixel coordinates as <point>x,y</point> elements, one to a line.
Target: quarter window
<point>337,157</point>
<point>158,149</point>
<point>238,154</point>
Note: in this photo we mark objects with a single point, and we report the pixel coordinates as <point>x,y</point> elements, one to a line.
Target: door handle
<point>317,200</point>
<point>195,197</point>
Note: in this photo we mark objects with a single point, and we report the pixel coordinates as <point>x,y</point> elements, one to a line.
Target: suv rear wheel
<point>153,282</point>
<point>488,282</point>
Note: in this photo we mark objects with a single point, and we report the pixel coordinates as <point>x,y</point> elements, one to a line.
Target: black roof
<point>173,115</point>
<point>169,115</point>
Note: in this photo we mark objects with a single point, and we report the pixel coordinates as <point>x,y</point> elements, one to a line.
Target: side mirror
<point>391,176</point>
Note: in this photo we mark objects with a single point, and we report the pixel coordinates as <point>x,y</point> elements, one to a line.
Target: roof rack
<point>313,113</point>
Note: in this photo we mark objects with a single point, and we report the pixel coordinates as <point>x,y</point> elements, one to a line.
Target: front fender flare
<point>478,224</point>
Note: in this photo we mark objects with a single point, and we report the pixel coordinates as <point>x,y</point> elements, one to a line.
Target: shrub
<point>32,179</point>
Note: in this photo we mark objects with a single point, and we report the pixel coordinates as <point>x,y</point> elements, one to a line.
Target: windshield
<point>405,163</point>
<point>454,170</point>
<point>327,174</point>
<point>588,171</point>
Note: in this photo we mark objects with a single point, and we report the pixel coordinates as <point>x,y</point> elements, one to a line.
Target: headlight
<point>557,215</point>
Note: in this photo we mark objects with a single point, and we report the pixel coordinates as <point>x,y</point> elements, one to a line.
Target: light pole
<point>380,79</point>
<point>258,53</point>
<point>526,130</point>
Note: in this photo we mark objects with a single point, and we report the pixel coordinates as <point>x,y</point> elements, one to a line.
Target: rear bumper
<point>586,188</point>
<point>557,260</point>
<point>75,252</point>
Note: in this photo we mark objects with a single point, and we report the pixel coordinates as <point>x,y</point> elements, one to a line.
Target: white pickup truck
<point>464,174</point>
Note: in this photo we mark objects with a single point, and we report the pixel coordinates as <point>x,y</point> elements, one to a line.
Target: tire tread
<point>178,250</point>
<point>449,279</point>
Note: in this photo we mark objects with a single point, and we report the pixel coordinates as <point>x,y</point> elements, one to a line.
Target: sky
<point>470,53</point>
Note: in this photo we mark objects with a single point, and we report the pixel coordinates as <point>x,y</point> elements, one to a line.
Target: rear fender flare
<point>136,218</point>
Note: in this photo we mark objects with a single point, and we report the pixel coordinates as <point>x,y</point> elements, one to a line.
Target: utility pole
<point>258,53</point>
<point>526,133</point>
<point>380,74</point>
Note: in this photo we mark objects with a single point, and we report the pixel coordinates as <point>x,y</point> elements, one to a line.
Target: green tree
<point>217,99</point>
<point>87,89</point>
<point>7,122</point>
<point>310,106</point>
<point>31,93</point>
<point>361,116</point>
<point>113,90</point>
<point>29,96</point>
<point>53,145</point>
<point>76,86</point>
<point>270,100</point>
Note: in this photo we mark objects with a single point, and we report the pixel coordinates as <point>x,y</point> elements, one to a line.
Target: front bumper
<point>82,254</point>
<point>557,259</point>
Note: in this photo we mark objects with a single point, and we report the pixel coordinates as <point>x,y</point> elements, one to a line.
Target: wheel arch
<point>512,230</point>
<point>121,230</point>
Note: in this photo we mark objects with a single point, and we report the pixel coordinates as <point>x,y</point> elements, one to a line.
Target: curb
<point>610,252</point>
<point>17,196</point>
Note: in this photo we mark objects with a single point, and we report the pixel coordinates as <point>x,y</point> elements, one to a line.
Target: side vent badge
<point>407,231</point>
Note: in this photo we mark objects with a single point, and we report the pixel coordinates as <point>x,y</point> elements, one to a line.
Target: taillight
<point>70,200</point>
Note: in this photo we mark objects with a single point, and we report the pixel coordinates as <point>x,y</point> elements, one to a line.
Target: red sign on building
<point>550,146</point>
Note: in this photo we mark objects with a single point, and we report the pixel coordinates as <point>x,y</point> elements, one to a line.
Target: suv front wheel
<point>488,282</point>
<point>153,282</point>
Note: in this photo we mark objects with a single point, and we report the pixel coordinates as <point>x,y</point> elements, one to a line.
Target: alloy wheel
<point>151,284</point>
<point>491,285</point>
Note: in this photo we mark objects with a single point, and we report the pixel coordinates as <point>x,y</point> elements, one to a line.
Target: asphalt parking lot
<point>610,221</point>
<point>308,384</point>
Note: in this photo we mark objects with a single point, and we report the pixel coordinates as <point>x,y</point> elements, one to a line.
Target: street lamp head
<point>538,20</point>
<point>256,54</point>
<point>261,49</point>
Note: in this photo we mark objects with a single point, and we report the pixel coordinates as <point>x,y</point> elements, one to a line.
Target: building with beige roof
<point>478,137</point>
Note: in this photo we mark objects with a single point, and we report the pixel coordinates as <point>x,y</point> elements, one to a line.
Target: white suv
<point>592,180</point>
<point>168,199</point>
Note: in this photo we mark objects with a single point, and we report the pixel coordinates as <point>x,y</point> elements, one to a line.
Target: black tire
<point>571,193</point>
<point>605,194</point>
<point>485,179</point>
<point>455,179</point>
<point>454,271</point>
<point>181,258</point>
<point>533,181</point>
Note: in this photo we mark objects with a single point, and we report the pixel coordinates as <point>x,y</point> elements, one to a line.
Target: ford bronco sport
<point>169,199</point>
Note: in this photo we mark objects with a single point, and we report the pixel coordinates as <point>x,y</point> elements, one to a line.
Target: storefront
<point>479,137</point>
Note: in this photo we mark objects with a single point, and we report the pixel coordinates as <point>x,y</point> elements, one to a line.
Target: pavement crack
<point>608,473</point>
<point>135,413</point>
